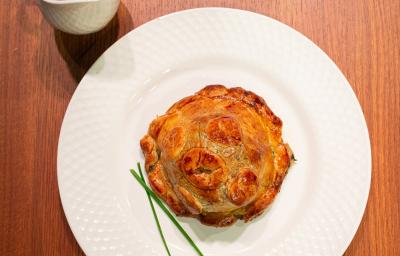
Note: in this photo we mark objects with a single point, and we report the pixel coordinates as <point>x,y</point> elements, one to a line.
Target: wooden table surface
<point>41,67</point>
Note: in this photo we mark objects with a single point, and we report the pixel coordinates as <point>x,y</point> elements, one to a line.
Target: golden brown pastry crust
<point>217,155</point>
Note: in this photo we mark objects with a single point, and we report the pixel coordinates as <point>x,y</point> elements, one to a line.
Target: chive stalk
<point>166,211</point>
<point>154,213</point>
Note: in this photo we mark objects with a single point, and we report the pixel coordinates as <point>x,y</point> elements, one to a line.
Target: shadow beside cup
<point>81,51</point>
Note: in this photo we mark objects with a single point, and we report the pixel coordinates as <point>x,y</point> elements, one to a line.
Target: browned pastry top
<point>217,155</point>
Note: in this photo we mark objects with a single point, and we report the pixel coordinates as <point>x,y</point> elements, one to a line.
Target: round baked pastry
<point>217,155</point>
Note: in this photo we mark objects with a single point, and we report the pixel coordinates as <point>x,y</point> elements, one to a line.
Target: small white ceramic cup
<point>79,16</point>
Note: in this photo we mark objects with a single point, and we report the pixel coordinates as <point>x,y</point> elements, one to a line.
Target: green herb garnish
<point>154,213</point>
<point>166,211</point>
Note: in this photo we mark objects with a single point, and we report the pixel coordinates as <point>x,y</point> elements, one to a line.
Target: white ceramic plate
<point>323,197</point>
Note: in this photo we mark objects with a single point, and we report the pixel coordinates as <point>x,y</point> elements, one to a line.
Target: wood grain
<point>40,69</point>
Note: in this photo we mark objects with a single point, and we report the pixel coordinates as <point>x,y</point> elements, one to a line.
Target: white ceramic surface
<point>79,16</point>
<point>324,195</point>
